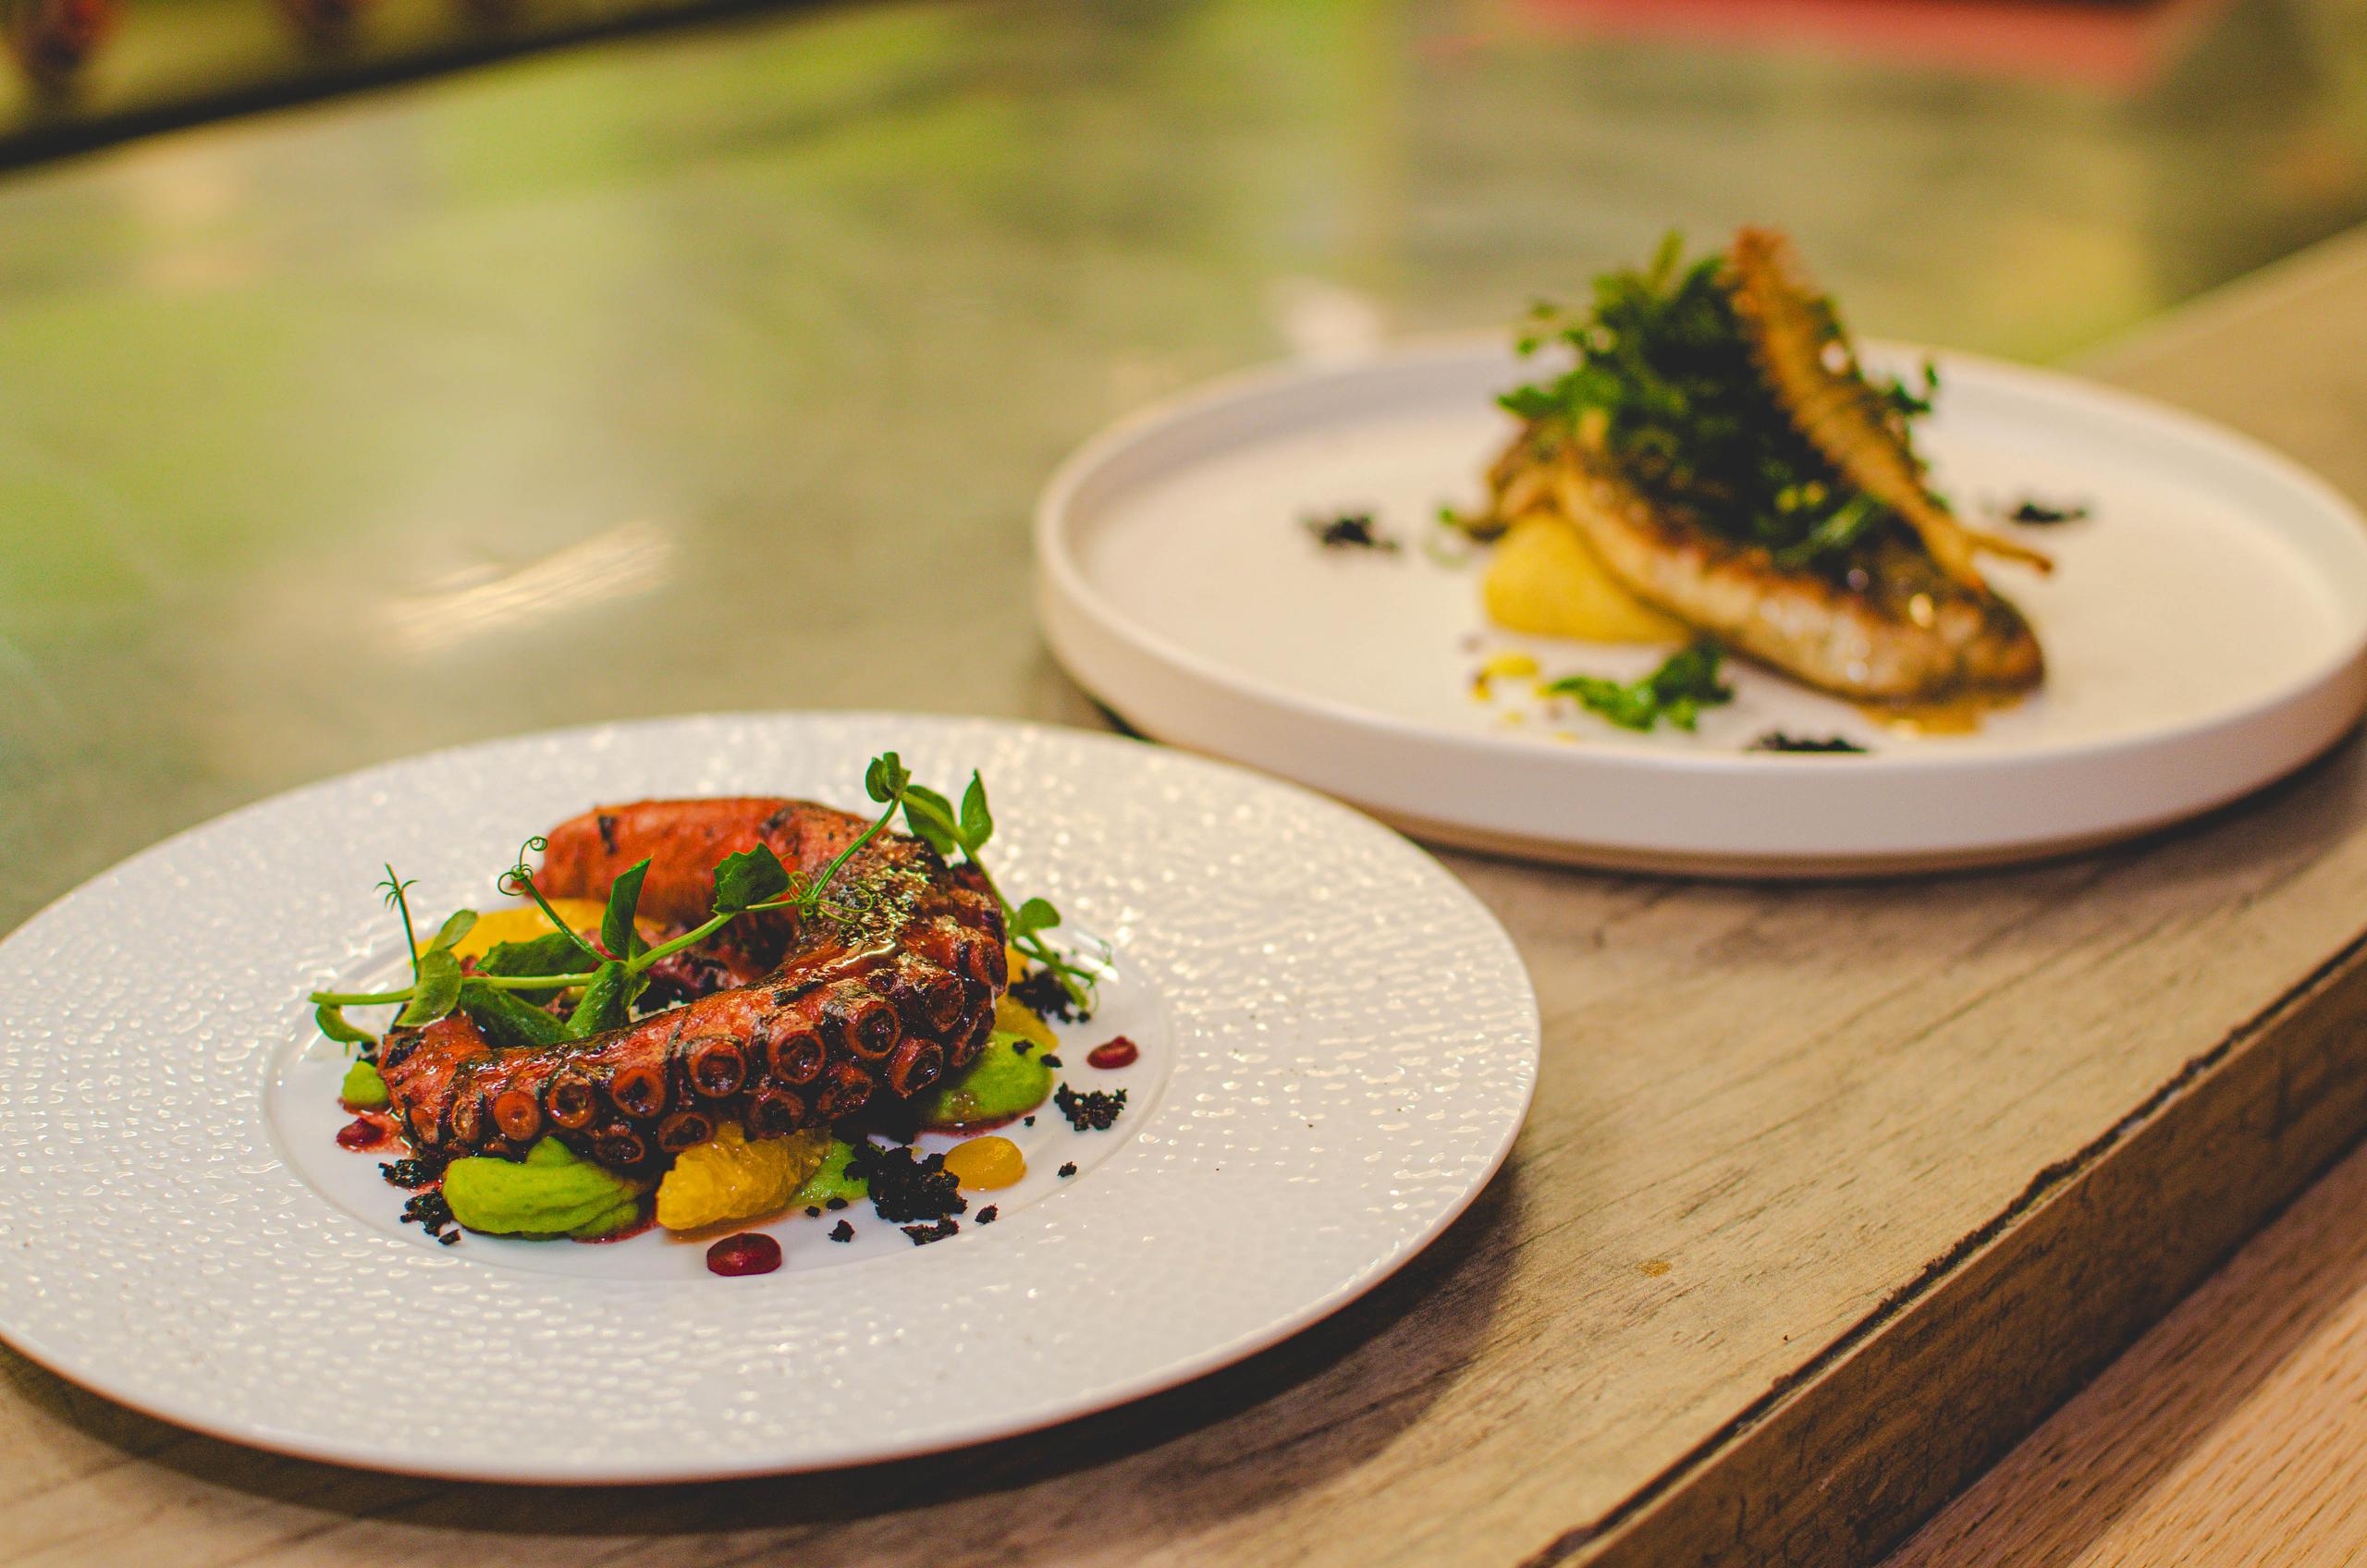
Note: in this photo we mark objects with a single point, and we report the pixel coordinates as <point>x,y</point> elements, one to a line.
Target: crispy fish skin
<point>1897,629</point>
<point>1814,375</point>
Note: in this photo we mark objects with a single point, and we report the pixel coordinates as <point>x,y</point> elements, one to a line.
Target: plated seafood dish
<point>714,1011</point>
<point>1715,464</point>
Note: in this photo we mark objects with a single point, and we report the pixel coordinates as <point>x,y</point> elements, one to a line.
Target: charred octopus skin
<point>897,990</point>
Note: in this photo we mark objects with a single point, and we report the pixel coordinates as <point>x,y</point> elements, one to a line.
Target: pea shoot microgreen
<point>506,992</point>
<point>966,829</point>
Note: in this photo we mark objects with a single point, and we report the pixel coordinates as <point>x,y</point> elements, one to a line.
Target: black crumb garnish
<point>1069,1170</point>
<point>924,1234</point>
<point>447,1238</point>
<point>905,1186</point>
<point>2032,510</point>
<point>1092,1111</point>
<point>834,1205</point>
<point>1050,1060</point>
<point>1347,531</point>
<point>1027,1122</point>
<point>842,1231</point>
<point>989,1215</point>
<point>1020,1047</point>
<point>1042,994</point>
<point>416,1171</point>
<point>431,1214</point>
<point>813,1211</point>
<point>1776,740</point>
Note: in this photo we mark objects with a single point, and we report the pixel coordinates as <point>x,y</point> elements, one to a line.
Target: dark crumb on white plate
<point>2031,510</point>
<point>842,1231</point>
<point>1093,1111</point>
<point>1042,994</point>
<point>924,1234</point>
<point>906,1187</point>
<point>989,1215</point>
<point>1777,741</point>
<point>1348,531</point>
<point>1069,1170</point>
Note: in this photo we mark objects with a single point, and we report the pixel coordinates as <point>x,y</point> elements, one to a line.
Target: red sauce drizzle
<point>648,1218</point>
<point>366,1132</point>
<point>1117,1053</point>
<point>750,1252</point>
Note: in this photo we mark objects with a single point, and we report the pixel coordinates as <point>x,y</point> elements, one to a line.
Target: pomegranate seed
<point>746,1252</point>
<point>1119,1052</point>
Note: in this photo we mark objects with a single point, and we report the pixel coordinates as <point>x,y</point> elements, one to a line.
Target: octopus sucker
<point>774,1112</point>
<point>683,1129</point>
<point>885,991</point>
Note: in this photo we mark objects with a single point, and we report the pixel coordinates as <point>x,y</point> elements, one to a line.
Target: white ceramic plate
<point>1339,1044</point>
<point>2206,629</point>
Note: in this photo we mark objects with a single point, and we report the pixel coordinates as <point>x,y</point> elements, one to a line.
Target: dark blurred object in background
<point>88,72</point>
<point>2115,41</point>
<point>52,39</point>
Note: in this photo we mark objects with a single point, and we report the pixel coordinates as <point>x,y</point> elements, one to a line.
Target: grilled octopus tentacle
<point>890,998</point>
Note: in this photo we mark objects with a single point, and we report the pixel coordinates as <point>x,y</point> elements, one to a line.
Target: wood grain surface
<point>2234,1435</point>
<point>1829,1195</point>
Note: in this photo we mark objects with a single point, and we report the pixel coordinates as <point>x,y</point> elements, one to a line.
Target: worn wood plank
<point>2234,1435</point>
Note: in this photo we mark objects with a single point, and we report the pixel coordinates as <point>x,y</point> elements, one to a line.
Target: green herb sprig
<point>500,996</point>
<point>1664,383</point>
<point>966,830</point>
<point>1674,693</point>
<point>505,992</point>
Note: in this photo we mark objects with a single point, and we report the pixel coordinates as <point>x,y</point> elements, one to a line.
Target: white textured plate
<point>1339,1046</point>
<point>2205,631</point>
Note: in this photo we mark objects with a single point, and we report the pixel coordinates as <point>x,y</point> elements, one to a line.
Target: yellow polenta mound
<point>523,923</point>
<point>730,1178</point>
<point>1545,579</point>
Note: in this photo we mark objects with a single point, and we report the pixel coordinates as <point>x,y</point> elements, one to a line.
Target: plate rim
<point>1064,589</point>
<point>1045,1412</point>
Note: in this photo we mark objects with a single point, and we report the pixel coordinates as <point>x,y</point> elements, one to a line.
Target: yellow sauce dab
<point>985,1164</point>
<point>1953,716</point>
<point>525,922</point>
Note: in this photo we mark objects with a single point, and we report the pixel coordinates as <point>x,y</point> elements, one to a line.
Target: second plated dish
<point>1203,568</point>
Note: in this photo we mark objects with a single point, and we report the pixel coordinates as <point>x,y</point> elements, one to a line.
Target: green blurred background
<point>719,366</point>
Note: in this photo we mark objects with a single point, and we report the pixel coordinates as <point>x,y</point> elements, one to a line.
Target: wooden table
<point>2233,1435</point>
<point>1829,1195</point>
